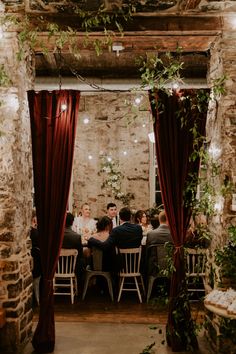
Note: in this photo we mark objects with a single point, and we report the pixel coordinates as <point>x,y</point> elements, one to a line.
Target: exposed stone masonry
<point>115,125</point>
<point>221,133</point>
<point>15,199</point>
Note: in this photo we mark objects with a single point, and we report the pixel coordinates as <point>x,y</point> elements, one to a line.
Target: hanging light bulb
<point>63,107</point>
<point>124,153</point>
<point>90,157</point>
<point>86,120</point>
<point>135,141</point>
<point>144,125</point>
<point>109,159</point>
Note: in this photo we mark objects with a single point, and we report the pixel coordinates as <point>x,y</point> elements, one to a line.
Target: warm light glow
<point>86,120</point>
<point>151,137</point>
<point>1,32</point>
<point>175,86</point>
<point>138,100</point>
<point>63,107</point>
<point>214,151</point>
<point>90,157</point>
<point>135,141</point>
<point>144,125</point>
<point>109,159</point>
<point>218,207</point>
<point>124,153</point>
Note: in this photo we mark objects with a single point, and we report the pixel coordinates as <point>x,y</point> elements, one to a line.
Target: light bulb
<point>109,159</point>
<point>90,157</point>
<point>135,141</point>
<point>144,125</point>
<point>63,107</point>
<point>175,85</point>
<point>124,153</point>
<point>86,120</point>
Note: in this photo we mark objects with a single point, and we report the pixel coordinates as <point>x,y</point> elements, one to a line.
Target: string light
<point>90,157</point>
<point>124,153</point>
<point>63,107</point>
<point>86,120</point>
<point>135,141</point>
<point>109,159</point>
<point>144,125</point>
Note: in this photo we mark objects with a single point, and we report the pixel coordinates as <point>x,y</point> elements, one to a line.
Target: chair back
<point>130,261</point>
<point>66,262</point>
<point>156,259</point>
<point>97,259</point>
<point>196,262</point>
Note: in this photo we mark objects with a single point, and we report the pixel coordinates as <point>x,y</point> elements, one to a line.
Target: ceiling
<point>155,28</point>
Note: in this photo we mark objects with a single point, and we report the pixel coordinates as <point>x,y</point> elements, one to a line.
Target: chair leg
<point>121,288</point>
<point>72,290</point>
<point>142,282</point>
<point>76,286</point>
<point>109,283</point>
<point>150,285</point>
<point>86,282</point>
<point>137,287</point>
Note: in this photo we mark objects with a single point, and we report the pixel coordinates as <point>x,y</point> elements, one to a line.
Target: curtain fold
<point>53,130</point>
<point>175,120</point>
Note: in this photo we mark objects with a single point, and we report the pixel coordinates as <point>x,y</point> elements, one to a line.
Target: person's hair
<point>103,223</point>
<point>84,205</point>
<point>162,217</point>
<point>125,214</point>
<point>69,219</point>
<point>138,216</point>
<point>111,205</point>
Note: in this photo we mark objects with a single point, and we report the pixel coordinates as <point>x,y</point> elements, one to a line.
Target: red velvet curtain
<point>53,129</point>
<point>176,120</point>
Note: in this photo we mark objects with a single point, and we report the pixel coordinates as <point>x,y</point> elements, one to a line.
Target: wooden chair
<point>97,271</point>
<point>130,268</point>
<point>65,276</point>
<point>156,263</point>
<point>196,260</point>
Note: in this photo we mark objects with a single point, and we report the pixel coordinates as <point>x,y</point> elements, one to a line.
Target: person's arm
<point>103,245</point>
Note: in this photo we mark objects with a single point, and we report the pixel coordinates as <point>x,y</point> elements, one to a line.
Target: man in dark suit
<point>73,240</point>
<point>112,213</point>
<point>126,235</point>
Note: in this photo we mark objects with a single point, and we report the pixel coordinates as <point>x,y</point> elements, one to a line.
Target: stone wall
<point>15,199</point>
<point>117,129</point>
<point>221,132</point>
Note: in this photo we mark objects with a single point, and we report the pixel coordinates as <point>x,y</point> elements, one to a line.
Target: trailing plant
<point>110,22</point>
<point>225,257</point>
<point>4,78</point>
<point>110,169</point>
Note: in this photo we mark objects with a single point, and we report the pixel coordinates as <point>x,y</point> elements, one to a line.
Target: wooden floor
<point>99,308</point>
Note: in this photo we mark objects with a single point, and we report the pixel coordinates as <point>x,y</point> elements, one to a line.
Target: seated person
<point>158,236</point>
<point>73,240</point>
<point>141,219</point>
<point>126,235</point>
<point>112,213</point>
<point>84,224</point>
<point>104,227</point>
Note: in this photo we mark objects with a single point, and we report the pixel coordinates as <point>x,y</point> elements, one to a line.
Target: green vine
<point>5,81</point>
<point>111,23</point>
<point>110,169</point>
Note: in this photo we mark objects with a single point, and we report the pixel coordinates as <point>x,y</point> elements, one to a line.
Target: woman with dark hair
<point>104,227</point>
<point>141,219</point>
